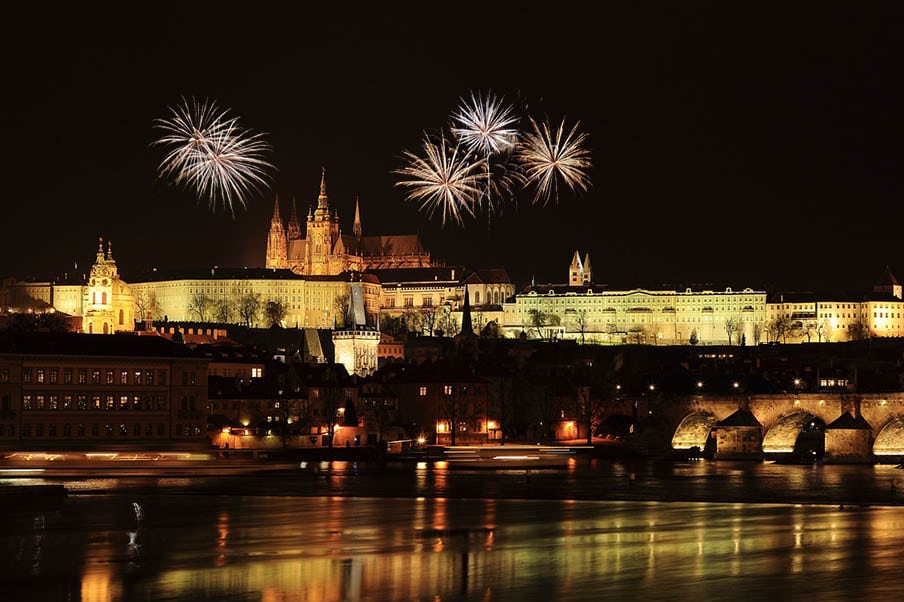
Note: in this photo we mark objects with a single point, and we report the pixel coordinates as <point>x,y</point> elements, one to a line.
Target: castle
<point>323,250</point>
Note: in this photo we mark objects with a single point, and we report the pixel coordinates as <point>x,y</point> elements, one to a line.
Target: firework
<point>446,179</point>
<point>546,158</point>
<point>484,125</point>
<point>212,154</point>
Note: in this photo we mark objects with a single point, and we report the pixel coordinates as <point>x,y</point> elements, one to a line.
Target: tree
<point>200,306</point>
<point>543,323</point>
<point>732,325</point>
<point>412,320</point>
<point>249,307</point>
<point>779,328</point>
<point>446,323</point>
<point>637,333</point>
<point>823,331</point>
<point>223,310</point>
<point>340,309</point>
<point>694,338</point>
<point>428,319</point>
<point>146,304</point>
<point>275,313</point>
<point>291,411</point>
<point>491,330</point>
<point>757,332</point>
<point>581,321</point>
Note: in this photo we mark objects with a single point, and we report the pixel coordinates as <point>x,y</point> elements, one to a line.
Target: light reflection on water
<point>341,548</point>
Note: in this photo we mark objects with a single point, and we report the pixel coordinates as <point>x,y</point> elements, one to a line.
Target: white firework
<point>486,126</point>
<point>446,179</point>
<point>547,158</point>
<point>211,153</point>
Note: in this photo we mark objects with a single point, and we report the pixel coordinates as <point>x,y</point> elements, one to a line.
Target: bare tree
<point>249,307</point>
<point>291,411</point>
<point>581,321</point>
<point>732,325</point>
<point>779,328</point>
<point>637,333</point>
<point>446,322</point>
<point>223,310</point>
<point>199,306</point>
<point>823,331</point>
<point>340,309</point>
<point>275,313</point>
<point>146,304</point>
<point>757,332</point>
<point>428,319</point>
<point>412,320</point>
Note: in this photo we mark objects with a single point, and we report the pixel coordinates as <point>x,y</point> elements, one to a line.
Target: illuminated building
<point>592,313</point>
<point>322,250</point>
<point>75,388</point>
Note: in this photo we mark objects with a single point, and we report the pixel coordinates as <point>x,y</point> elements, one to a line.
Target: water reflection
<point>340,548</point>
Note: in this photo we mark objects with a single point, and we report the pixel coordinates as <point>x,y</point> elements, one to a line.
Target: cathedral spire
<point>357,226</point>
<point>109,250</point>
<point>467,328</point>
<point>100,250</point>
<point>323,201</point>
<point>293,229</point>
<point>276,217</point>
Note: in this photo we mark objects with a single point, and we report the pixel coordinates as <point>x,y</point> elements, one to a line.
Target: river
<point>368,531</point>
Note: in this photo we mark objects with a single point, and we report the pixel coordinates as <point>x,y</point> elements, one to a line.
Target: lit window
<point>423,392</point>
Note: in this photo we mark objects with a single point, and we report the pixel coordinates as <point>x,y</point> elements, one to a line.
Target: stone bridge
<point>847,427</point>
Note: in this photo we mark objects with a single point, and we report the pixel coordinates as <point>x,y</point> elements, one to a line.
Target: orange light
<point>440,427</point>
<point>491,425</point>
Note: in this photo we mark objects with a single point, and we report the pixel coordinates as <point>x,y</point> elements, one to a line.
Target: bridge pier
<point>849,440</point>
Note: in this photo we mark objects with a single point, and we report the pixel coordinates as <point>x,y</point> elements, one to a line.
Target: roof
<point>436,274</point>
<point>399,244</point>
<point>489,276</point>
<point>216,273</point>
<point>887,278</point>
<point>92,344</point>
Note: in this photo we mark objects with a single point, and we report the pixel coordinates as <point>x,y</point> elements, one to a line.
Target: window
<point>111,402</point>
<point>67,376</point>
<point>409,301</point>
<point>39,401</point>
<point>26,402</point>
<point>422,392</point>
<point>95,376</point>
<point>161,401</point>
<point>82,376</point>
<point>26,378</point>
<point>80,430</point>
<point>108,429</point>
<point>123,402</point>
<point>137,377</point>
<point>40,375</point>
<point>136,402</point>
<point>82,401</point>
<point>123,377</point>
<point>148,429</point>
<point>136,429</point>
<point>95,429</point>
<point>67,401</point>
<point>109,379</point>
<point>53,375</point>
<point>123,431</point>
<point>447,389</point>
<point>162,375</point>
<point>4,375</point>
<point>53,401</point>
<point>257,373</point>
<point>26,430</point>
<point>67,430</point>
<point>149,377</point>
<point>95,402</point>
<point>51,430</point>
<point>161,429</point>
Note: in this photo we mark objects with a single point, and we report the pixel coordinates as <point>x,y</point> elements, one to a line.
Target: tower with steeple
<point>293,230</point>
<point>356,343</point>
<point>322,233</point>
<point>108,300</point>
<point>579,272</point>
<point>357,226</point>
<point>277,245</point>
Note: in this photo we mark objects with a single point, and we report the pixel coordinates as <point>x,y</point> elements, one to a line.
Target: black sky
<point>743,145</point>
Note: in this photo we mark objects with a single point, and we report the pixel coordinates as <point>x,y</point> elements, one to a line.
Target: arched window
<point>106,331</point>
<point>477,297</point>
<point>103,298</point>
<point>120,317</point>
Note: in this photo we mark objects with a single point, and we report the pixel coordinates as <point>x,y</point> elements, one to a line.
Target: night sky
<point>758,149</point>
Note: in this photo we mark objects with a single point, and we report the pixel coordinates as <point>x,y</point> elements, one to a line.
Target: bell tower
<point>322,232</point>
<point>277,253</point>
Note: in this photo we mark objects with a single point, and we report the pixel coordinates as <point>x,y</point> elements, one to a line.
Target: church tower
<point>108,302</point>
<point>588,271</point>
<point>576,271</point>
<point>322,233</point>
<point>277,255</point>
<point>357,226</point>
<point>293,231</point>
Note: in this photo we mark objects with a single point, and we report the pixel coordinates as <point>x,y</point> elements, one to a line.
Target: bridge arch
<point>694,430</point>
<point>890,440</point>
<point>782,437</point>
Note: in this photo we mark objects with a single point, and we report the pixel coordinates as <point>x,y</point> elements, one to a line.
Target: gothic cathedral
<point>323,250</point>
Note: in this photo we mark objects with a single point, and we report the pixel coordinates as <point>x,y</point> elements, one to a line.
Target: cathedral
<point>323,250</point>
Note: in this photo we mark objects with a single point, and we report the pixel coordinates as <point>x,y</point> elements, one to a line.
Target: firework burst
<point>211,153</point>
<point>547,158</point>
<point>484,125</point>
<point>447,179</point>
